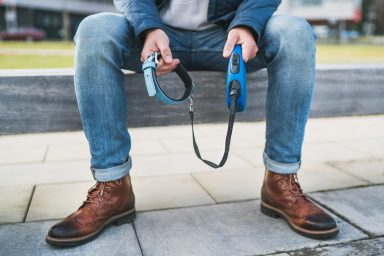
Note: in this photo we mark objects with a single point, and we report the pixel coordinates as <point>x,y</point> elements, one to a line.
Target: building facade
<point>58,18</point>
<point>324,11</point>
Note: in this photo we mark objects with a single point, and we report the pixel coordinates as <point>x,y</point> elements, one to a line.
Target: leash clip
<point>191,102</point>
<point>156,56</point>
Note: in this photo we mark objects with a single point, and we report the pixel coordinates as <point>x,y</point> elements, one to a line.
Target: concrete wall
<point>32,102</point>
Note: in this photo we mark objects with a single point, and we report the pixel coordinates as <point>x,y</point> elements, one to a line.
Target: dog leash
<point>235,90</point>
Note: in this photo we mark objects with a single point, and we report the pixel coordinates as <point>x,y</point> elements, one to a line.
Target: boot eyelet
<point>109,188</point>
<point>283,188</point>
<point>97,204</point>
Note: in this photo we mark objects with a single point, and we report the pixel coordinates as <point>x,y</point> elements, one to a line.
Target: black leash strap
<point>149,68</point>
<point>232,113</point>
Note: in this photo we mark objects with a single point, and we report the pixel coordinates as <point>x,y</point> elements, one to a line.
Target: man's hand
<point>157,41</point>
<point>243,36</point>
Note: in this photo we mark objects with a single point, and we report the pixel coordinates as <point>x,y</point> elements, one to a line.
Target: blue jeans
<point>105,44</point>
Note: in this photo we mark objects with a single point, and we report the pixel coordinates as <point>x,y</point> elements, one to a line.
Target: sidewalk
<point>185,208</point>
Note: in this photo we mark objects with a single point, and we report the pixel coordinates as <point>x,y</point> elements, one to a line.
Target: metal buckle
<point>191,99</point>
<point>156,54</point>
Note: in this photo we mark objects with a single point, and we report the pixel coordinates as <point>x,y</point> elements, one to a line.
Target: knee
<point>100,29</point>
<point>291,32</point>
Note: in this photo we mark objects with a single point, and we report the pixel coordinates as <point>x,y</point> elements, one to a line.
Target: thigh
<point>109,34</point>
<point>208,54</point>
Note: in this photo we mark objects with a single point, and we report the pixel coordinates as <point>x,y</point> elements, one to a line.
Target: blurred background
<point>349,31</point>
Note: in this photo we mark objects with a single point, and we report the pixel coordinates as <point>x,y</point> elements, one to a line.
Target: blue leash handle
<point>236,79</point>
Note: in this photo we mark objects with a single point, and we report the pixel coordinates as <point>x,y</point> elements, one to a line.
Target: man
<point>200,34</point>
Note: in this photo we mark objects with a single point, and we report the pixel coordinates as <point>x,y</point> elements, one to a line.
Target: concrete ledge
<point>44,100</point>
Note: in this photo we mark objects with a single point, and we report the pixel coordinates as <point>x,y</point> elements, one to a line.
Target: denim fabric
<point>105,44</point>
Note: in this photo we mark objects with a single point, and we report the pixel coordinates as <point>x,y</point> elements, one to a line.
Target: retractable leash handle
<point>237,79</point>
<point>149,68</point>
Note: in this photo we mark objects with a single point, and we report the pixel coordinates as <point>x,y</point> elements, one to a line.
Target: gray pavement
<point>187,209</point>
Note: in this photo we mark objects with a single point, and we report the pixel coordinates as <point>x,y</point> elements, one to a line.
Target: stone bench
<point>44,101</point>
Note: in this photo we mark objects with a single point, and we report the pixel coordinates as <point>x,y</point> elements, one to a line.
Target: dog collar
<point>149,68</point>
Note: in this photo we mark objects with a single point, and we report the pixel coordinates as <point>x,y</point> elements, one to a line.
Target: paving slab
<point>182,163</point>
<point>240,130</point>
<point>22,154</point>
<point>29,239</point>
<point>14,203</point>
<point>163,192</point>
<point>77,151</point>
<point>147,147</point>
<point>65,152</point>
<point>212,142</point>
<point>232,185</point>
<point>56,201</point>
<point>254,155</point>
<point>43,173</point>
<point>373,147</point>
<point>362,206</point>
<point>38,139</point>
<point>330,151</point>
<point>344,129</point>
<point>371,247</point>
<point>315,176</point>
<point>371,170</point>
<point>224,229</point>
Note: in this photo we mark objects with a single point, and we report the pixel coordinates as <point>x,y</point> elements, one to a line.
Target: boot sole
<point>316,234</point>
<point>125,217</point>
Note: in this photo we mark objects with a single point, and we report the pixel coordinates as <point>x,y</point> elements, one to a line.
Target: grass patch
<point>347,54</point>
<point>33,61</point>
<point>37,45</point>
<point>326,54</point>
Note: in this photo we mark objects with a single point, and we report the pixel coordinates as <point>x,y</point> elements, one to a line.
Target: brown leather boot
<point>282,196</point>
<point>107,203</point>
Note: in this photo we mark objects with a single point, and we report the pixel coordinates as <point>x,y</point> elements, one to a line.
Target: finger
<point>164,68</point>
<point>166,71</point>
<point>165,52</point>
<point>255,52</point>
<point>229,45</point>
<point>247,52</point>
<point>168,67</point>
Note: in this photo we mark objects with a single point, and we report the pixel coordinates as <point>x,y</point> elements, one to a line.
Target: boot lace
<point>295,190</point>
<point>96,192</point>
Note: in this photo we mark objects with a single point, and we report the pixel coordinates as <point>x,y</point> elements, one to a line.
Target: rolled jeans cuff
<point>113,173</point>
<point>282,168</point>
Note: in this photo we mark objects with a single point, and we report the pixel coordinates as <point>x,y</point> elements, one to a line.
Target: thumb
<point>165,52</point>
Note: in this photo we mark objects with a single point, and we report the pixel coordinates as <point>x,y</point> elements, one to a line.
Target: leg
<point>289,48</point>
<point>288,45</point>
<point>102,43</point>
